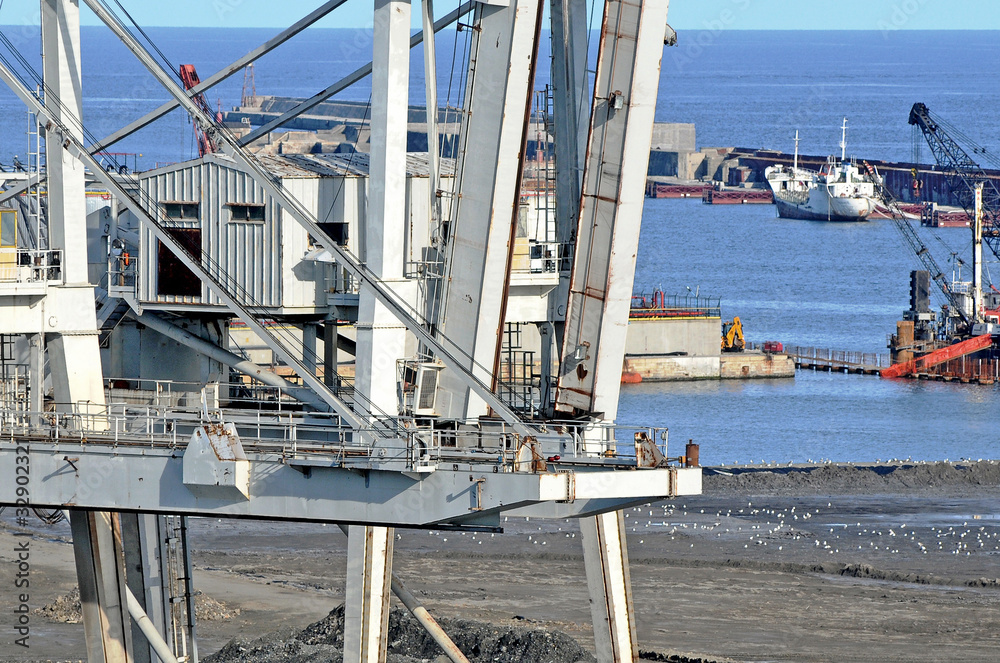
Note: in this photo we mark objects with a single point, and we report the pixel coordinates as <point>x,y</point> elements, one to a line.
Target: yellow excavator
<point>732,336</point>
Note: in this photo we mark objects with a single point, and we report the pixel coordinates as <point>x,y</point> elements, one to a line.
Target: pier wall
<point>736,366</point>
<point>898,175</point>
<point>751,365</point>
<point>699,336</point>
<point>662,368</point>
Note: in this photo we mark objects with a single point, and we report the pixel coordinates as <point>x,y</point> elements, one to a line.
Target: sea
<point>830,285</point>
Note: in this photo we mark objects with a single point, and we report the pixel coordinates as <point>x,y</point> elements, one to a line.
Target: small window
<point>8,229</point>
<point>246,213</point>
<point>181,211</point>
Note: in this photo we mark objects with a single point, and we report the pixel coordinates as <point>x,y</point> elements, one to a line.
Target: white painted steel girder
<point>605,558</point>
<point>101,576</point>
<point>366,594</point>
<point>481,236</point>
<point>399,308</point>
<point>318,488</point>
<point>74,357</point>
<point>381,338</point>
<point>621,125</point>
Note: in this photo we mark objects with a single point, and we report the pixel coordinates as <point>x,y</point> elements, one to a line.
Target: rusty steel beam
<point>939,356</point>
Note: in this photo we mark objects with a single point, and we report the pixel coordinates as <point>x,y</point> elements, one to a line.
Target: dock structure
<point>736,196</point>
<point>842,361</point>
<point>126,404</point>
<point>961,369</point>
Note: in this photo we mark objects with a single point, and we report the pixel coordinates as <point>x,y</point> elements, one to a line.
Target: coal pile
<point>66,609</point>
<point>408,642</point>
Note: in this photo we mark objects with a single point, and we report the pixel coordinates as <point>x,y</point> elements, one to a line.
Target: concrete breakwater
<point>744,167</point>
<point>735,366</point>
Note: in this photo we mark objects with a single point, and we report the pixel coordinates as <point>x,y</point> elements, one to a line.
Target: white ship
<point>840,191</point>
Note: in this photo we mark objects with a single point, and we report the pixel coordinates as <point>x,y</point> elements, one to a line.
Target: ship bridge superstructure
<point>386,294</point>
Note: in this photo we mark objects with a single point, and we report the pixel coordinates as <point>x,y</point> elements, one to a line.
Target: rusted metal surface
<point>647,454</point>
<point>528,458</point>
<point>620,133</point>
<point>691,453</point>
<point>938,357</point>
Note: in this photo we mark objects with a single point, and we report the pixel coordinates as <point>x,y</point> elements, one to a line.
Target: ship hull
<point>843,213</point>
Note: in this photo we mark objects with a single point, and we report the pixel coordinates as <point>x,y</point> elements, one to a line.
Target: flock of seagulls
<point>778,528</point>
<point>828,461</point>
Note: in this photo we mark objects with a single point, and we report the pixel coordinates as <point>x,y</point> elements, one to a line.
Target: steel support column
<point>430,94</point>
<point>366,595</point>
<point>101,574</point>
<point>74,358</point>
<point>605,557</point>
<point>625,90</point>
<point>481,235</point>
<point>570,108</point>
<point>36,374</point>
<point>144,541</point>
<point>381,337</point>
<point>330,334</point>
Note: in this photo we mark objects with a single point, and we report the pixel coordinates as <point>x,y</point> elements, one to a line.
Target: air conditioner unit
<point>425,393</point>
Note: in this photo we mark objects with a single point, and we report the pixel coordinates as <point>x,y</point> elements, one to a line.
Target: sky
<point>684,14</point>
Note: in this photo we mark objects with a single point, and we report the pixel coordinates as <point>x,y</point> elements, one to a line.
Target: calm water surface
<point>833,285</point>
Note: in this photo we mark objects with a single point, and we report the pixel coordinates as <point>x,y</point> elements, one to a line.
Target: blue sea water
<point>829,285</point>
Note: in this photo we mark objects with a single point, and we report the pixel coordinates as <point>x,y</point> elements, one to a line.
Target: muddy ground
<point>893,562</point>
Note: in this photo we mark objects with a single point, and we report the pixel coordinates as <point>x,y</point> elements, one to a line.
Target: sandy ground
<point>798,564</point>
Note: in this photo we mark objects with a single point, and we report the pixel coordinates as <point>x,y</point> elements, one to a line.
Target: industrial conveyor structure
<point>126,406</point>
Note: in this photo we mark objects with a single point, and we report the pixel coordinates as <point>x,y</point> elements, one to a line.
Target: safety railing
<point>658,305</point>
<point>30,265</point>
<point>123,276</point>
<point>826,358</point>
<point>293,435</point>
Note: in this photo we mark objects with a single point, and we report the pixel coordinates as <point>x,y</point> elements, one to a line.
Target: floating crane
<point>962,172</point>
<point>913,240</point>
<point>206,142</point>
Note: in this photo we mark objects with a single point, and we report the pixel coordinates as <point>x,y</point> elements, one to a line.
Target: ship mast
<point>795,161</point>
<point>843,141</point>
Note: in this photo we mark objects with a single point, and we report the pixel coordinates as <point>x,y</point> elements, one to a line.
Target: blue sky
<point>684,14</point>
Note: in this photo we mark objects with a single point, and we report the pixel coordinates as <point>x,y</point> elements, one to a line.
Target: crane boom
<point>206,142</point>
<point>913,240</point>
<point>961,172</point>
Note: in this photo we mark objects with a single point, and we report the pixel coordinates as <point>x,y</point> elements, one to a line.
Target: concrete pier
<point>735,366</point>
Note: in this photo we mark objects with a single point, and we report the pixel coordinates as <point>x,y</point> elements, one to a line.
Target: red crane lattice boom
<point>206,143</point>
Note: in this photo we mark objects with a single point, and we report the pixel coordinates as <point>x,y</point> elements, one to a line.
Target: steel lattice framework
<point>962,172</point>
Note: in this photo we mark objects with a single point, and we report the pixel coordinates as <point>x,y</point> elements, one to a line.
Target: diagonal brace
<point>289,203</point>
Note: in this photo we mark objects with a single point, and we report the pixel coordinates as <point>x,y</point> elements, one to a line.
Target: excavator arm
<point>732,336</point>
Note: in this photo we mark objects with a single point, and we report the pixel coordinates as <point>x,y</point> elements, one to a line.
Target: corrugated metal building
<point>216,210</point>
